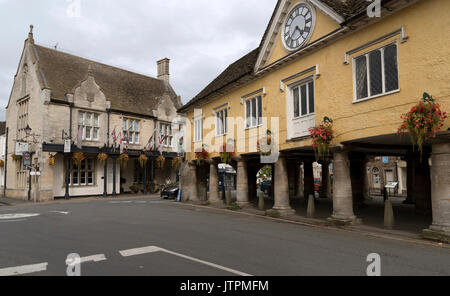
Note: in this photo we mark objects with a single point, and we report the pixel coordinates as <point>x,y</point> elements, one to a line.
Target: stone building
<point>2,155</point>
<point>62,105</point>
<point>382,170</point>
<point>330,59</point>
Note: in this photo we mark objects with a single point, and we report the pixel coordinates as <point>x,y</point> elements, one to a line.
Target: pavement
<point>147,236</point>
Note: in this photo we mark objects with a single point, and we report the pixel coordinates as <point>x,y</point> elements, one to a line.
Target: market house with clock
<point>328,60</point>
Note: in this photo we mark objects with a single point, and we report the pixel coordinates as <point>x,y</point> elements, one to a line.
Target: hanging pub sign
<point>21,148</point>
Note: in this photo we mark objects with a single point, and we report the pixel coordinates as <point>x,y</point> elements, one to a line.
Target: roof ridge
<point>94,61</point>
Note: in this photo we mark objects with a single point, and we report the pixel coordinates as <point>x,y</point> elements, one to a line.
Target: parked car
<point>170,192</point>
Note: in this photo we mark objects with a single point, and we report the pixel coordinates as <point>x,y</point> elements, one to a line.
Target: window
<point>376,72</point>
<point>82,174</point>
<point>131,128</point>
<point>165,131</point>
<point>253,112</point>
<point>303,96</point>
<point>222,122</point>
<point>22,118</point>
<point>198,129</point>
<point>89,122</point>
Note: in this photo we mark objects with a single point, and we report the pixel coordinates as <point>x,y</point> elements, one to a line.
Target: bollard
<point>261,202</point>
<point>389,220</point>
<point>228,197</point>
<point>311,211</point>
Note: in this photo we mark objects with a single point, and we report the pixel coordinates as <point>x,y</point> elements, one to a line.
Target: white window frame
<point>383,93</point>
<point>85,171</point>
<point>298,86</point>
<point>133,131</point>
<point>90,125</point>
<point>258,120</point>
<point>198,129</point>
<point>222,122</point>
<point>163,131</point>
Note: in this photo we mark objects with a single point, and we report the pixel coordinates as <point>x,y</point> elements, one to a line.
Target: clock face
<point>298,27</point>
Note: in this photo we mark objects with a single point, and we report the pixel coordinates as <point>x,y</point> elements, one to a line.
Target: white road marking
<point>16,216</point>
<point>153,249</point>
<point>60,212</point>
<point>120,202</point>
<point>7,221</point>
<point>139,251</point>
<point>93,258</point>
<point>141,202</point>
<point>25,269</point>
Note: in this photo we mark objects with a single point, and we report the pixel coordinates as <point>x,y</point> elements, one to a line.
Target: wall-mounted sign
<point>391,185</point>
<point>27,159</point>
<point>385,159</point>
<point>67,146</point>
<point>21,148</point>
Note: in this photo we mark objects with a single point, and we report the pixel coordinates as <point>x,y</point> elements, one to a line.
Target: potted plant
<point>160,161</point>
<point>143,160</point>
<point>176,162</point>
<point>322,135</point>
<point>102,157</point>
<point>226,153</point>
<point>124,158</point>
<point>16,157</point>
<point>423,121</point>
<point>201,156</point>
<point>134,188</point>
<point>264,145</point>
<point>78,157</point>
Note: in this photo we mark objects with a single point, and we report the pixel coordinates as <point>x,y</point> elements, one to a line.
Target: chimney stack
<point>163,70</point>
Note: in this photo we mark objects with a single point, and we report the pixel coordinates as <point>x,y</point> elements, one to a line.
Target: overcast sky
<point>201,37</point>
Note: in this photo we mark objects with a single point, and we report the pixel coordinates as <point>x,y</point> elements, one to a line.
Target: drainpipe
<point>6,162</point>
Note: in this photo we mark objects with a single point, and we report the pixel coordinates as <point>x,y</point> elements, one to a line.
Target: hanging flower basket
<point>2,163</point>
<point>51,161</point>
<point>124,158</point>
<point>102,157</point>
<point>226,153</point>
<point>176,162</point>
<point>202,156</point>
<point>143,160</point>
<point>322,136</point>
<point>423,121</point>
<point>78,157</point>
<point>160,162</point>
<point>265,145</point>
<point>16,157</point>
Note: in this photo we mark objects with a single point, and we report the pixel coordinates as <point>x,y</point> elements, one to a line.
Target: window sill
<point>253,127</point>
<point>376,96</point>
<point>304,116</point>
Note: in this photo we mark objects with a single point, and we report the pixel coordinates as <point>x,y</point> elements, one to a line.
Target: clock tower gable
<point>295,25</point>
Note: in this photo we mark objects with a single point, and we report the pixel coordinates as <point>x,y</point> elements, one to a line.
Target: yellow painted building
<point>333,58</point>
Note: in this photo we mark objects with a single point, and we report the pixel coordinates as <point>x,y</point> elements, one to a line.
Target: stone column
<point>189,183</point>
<point>282,188</point>
<point>342,189</point>
<point>242,183</point>
<point>299,181</point>
<point>308,179</point>
<point>213,183</point>
<point>440,193</point>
